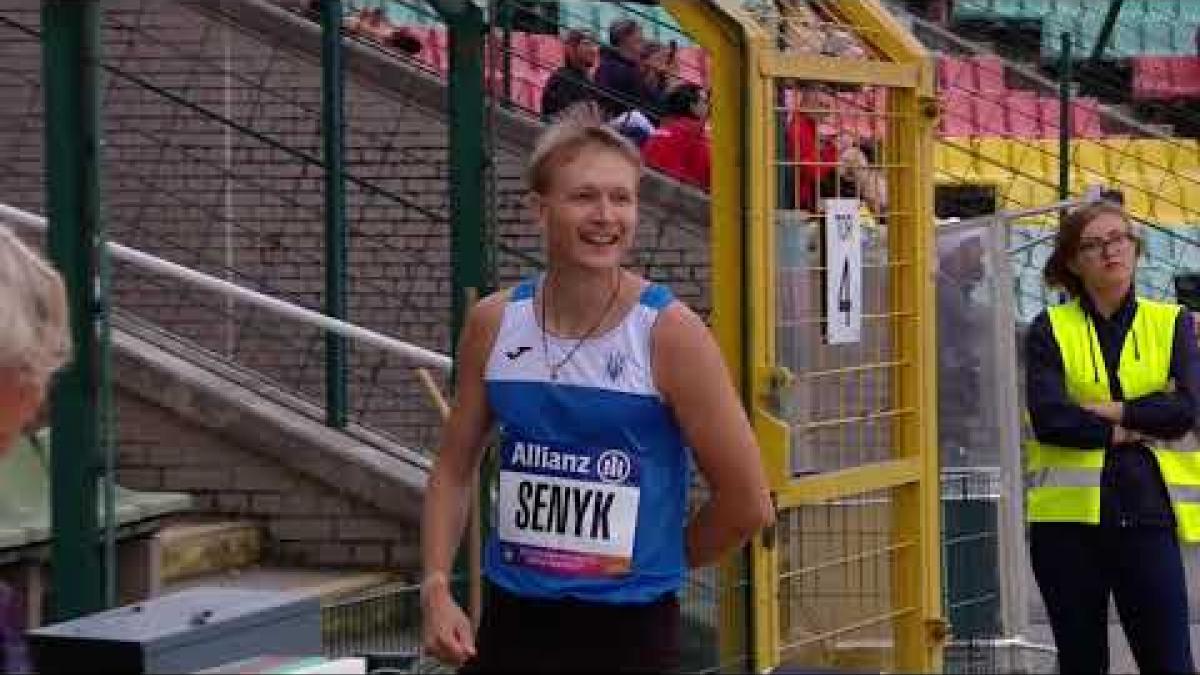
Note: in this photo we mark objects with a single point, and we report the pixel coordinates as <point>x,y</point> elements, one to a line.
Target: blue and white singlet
<point>591,500</point>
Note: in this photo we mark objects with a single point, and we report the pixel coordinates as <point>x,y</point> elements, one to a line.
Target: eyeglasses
<point>1099,248</point>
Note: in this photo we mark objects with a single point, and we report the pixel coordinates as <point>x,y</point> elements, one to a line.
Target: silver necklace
<point>556,367</point>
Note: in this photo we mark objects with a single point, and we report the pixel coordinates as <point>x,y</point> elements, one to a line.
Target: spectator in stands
<point>657,66</point>
<point>572,82</point>
<point>658,70</point>
<point>828,163</point>
<point>805,30</point>
<point>618,74</point>
<point>371,24</point>
<point>680,147</point>
<point>34,342</point>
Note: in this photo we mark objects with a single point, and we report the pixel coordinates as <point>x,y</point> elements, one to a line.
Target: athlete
<point>605,390</point>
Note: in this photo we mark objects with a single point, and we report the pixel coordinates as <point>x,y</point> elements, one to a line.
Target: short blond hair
<point>35,337</point>
<point>581,125</point>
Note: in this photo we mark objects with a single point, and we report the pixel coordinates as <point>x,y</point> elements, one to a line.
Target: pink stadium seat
<point>958,117</point>
<point>693,64</point>
<point>1050,111</point>
<point>1024,115</point>
<point>989,72</point>
<point>990,117</point>
<point>1085,118</point>
<point>435,51</point>
<point>549,51</point>
<point>955,73</point>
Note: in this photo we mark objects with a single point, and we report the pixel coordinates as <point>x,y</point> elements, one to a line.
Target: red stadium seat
<point>1165,77</point>
<point>1151,78</point>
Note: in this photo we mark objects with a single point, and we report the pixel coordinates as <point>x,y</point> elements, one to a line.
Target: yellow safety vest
<point>1064,483</point>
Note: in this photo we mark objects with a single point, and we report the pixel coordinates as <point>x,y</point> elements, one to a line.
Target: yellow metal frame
<point>720,28</point>
<point>745,66</point>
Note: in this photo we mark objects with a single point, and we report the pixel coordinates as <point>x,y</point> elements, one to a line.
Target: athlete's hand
<point>446,630</point>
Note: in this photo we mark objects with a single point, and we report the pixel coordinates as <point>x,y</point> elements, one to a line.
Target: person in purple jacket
<point>619,74</point>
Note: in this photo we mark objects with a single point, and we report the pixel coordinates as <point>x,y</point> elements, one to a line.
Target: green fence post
<point>469,244</point>
<point>70,76</point>
<point>333,139</point>
<point>1102,40</point>
<point>467,161</point>
<point>1064,119</point>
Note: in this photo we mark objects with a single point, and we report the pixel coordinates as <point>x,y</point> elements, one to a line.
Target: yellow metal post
<point>715,27</point>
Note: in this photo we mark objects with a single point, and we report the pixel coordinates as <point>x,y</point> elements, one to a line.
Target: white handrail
<point>424,357</point>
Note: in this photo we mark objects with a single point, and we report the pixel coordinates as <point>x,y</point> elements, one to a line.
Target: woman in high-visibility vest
<point>1111,379</point>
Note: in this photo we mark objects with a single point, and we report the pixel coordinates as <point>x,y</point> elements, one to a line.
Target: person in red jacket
<point>825,164</point>
<point>680,146</point>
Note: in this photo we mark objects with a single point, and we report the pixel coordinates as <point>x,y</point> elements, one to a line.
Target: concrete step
<point>194,548</point>
<point>330,585</point>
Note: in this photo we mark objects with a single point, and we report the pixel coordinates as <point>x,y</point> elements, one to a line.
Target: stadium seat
<point>990,116</point>
<point>549,50</point>
<point>436,50</point>
<point>995,157</point>
<point>955,157</point>
<point>1034,157</point>
<point>1151,78</point>
<point>1024,116</point>
<point>1022,193</point>
<point>1122,155</point>
<point>955,73</point>
<point>693,65</point>
<point>989,73</point>
<point>1050,113</point>
<point>1085,118</point>
<point>958,117</point>
<point>1091,157</point>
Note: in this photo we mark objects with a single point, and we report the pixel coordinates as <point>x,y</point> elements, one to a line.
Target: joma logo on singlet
<point>534,456</point>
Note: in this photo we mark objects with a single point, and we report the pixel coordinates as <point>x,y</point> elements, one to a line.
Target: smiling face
<point>588,210</point>
<point>1106,254</point>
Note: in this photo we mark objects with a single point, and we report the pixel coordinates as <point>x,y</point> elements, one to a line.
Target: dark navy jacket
<point>621,82</point>
<point>1132,491</point>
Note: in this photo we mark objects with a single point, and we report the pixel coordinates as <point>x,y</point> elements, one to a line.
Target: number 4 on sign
<point>843,271</point>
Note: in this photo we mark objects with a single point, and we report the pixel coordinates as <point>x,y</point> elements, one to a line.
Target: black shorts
<point>519,634</point>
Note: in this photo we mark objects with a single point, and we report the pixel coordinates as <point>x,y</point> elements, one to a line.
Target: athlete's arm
<point>447,632</point>
<point>692,378</point>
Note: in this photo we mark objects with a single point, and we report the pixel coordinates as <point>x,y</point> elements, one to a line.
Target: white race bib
<point>570,511</point>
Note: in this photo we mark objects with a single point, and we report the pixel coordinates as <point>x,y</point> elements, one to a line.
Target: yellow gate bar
<point>853,481</point>
<point>829,69</point>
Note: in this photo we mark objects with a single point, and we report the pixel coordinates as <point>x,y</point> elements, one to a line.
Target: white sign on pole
<point>843,271</point>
